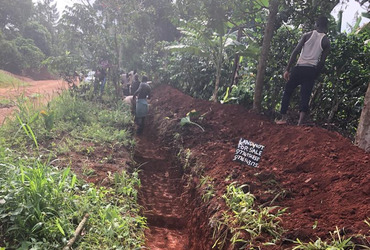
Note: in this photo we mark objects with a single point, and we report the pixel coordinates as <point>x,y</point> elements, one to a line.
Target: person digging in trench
<point>314,47</point>
<point>142,107</point>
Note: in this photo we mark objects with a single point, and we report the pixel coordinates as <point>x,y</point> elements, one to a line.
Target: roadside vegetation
<point>7,80</point>
<point>42,200</point>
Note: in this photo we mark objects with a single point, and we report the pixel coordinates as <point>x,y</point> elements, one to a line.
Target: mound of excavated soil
<point>320,176</point>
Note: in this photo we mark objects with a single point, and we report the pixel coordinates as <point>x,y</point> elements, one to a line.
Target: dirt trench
<point>166,203</point>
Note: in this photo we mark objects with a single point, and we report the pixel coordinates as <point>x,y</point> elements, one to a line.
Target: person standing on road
<point>314,47</point>
<point>142,107</point>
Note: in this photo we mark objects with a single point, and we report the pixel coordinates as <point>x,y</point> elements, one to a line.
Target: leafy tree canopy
<point>40,35</point>
<point>14,13</point>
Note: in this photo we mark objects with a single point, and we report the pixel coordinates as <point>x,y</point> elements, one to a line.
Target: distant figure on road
<point>142,108</point>
<point>314,47</point>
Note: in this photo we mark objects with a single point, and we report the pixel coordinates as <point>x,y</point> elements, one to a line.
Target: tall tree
<point>46,14</point>
<point>40,35</point>
<point>363,130</point>
<point>261,69</point>
<point>212,26</point>
<point>297,13</point>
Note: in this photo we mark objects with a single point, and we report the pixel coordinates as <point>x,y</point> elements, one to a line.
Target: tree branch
<point>77,232</point>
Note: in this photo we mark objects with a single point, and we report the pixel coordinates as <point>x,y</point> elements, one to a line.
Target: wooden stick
<point>77,232</point>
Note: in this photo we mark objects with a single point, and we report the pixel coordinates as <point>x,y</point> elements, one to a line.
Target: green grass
<point>243,222</point>
<point>206,185</point>
<point>5,102</point>
<point>337,242</point>
<point>40,204</point>
<point>6,81</point>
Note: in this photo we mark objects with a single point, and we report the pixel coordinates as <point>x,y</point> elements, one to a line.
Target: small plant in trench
<point>186,120</point>
<point>185,157</point>
<point>244,220</point>
<point>337,242</point>
<point>207,187</point>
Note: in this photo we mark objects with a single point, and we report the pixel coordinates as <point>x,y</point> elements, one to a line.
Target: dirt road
<point>39,91</point>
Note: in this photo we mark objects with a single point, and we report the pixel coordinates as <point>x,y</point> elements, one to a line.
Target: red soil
<point>43,91</point>
<point>323,179</point>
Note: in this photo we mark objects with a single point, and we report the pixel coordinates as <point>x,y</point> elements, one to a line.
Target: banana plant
<point>208,37</point>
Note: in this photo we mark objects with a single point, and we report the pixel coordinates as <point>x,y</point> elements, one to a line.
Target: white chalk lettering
<point>253,157</point>
<point>239,158</point>
<point>248,152</point>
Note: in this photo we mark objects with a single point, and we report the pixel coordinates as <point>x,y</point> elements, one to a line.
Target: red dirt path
<point>40,90</point>
<point>323,179</point>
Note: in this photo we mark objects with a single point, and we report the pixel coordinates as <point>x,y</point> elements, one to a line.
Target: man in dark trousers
<point>314,47</point>
<point>142,107</point>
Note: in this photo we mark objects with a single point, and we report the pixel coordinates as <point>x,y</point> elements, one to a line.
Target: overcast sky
<point>349,13</point>
<point>62,3</point>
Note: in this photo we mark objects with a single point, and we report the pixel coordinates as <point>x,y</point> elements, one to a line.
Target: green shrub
<point>41,206</point>
<point>244,220</point>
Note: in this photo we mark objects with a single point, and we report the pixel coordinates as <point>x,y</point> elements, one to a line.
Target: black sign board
<point>248,152</point>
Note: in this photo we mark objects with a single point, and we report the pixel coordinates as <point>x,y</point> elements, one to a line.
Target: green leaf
<point>18,211</point>
<point>264,3</point>
<point>185,120</point>
<point>59,227</point>
<point>73,182</point>
<point>37,226</point>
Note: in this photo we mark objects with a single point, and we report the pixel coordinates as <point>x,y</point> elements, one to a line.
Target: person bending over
<point>142,108</point>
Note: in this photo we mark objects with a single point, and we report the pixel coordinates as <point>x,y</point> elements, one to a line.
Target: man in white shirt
<point>314,47</point>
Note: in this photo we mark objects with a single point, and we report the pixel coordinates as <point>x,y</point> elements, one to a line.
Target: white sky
<point>349,11</point>
<point>62,3</point>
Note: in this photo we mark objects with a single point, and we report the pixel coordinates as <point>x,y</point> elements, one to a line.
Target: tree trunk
<point>116,68</point>
<point>218,69</point>
<point>236,61</point>
<point>363,130</point>
<point>217,83</point>
<point>262,63</point>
